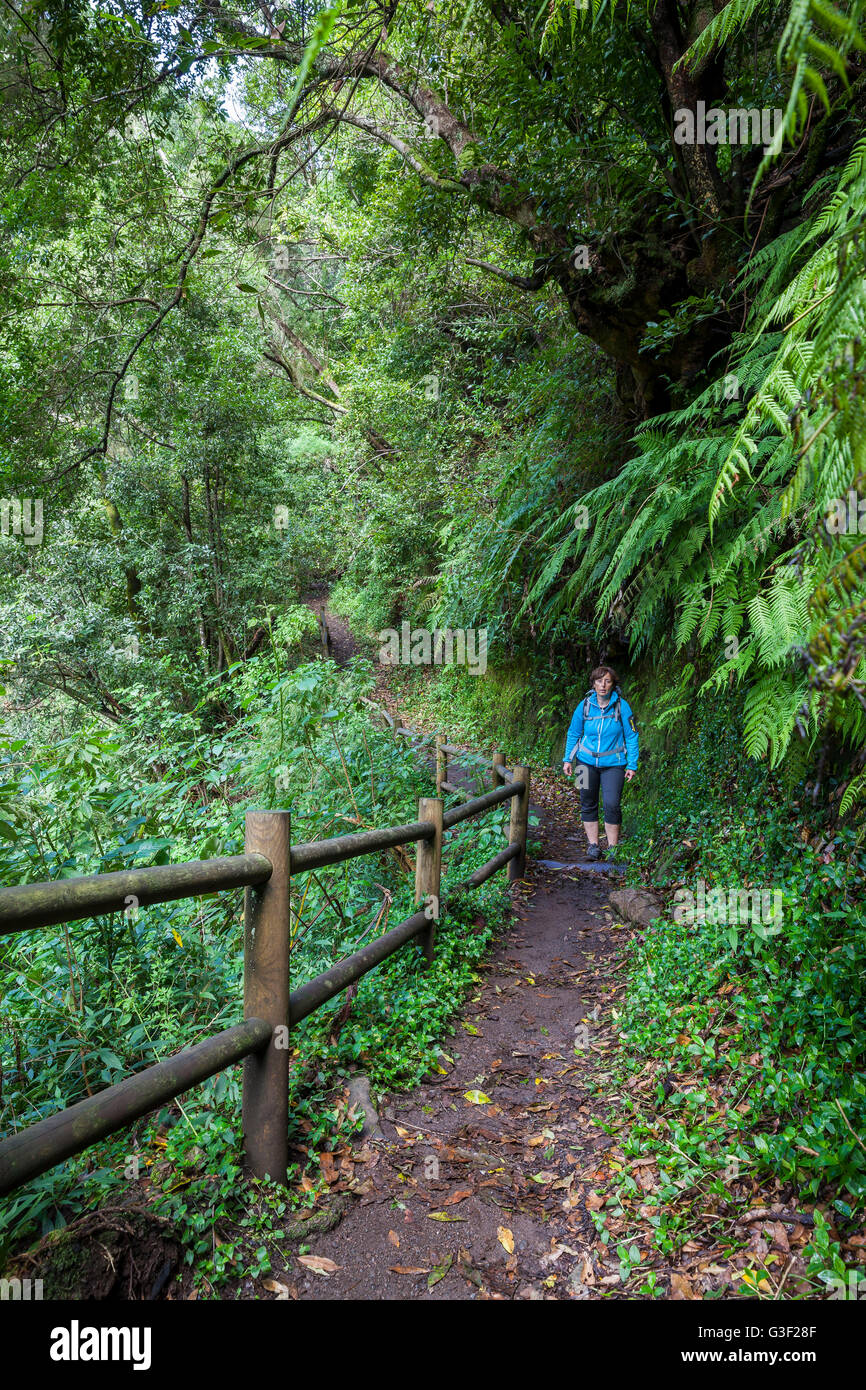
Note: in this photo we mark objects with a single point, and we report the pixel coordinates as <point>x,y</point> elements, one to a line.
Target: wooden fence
<point>265,871</point>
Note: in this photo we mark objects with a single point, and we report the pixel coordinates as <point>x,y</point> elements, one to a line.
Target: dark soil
<point>461,1199</point>
<point>117,1252</point>
<point>342,644</point>
<point>487,1178</point>
<point>506,1174</point>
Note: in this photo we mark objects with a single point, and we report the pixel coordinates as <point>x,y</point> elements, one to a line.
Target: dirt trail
<point>517,1159</point>
<point>508,1171</point>
<point>343,644</point>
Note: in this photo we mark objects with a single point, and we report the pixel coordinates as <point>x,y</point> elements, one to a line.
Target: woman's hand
<point>629,774</point>
<point>567,769</point>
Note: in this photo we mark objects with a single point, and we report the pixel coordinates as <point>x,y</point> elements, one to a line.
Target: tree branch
<point>274,355</point>
<point>194,242</point>
<point>536,281</point>
<point>422,169</point>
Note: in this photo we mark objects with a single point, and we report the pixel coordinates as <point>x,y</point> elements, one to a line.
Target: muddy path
<point>475,1185</point>
<point>342,643</point>
<point>461,1200</point>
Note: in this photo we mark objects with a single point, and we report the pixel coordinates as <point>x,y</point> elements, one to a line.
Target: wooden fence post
<point>441,765</point>
<point>428,870</point>
<point>498,761</point>
<point>324,633</point>
<point>266,996</point>
<point>518,825</point>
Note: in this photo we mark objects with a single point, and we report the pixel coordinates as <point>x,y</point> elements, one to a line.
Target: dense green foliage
<point>427,302</point>
<point>761,1026</point>
<point>86,1005</point>
<point>797,1000</point>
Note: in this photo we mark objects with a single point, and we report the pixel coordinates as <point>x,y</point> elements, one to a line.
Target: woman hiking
<point>602,740</point>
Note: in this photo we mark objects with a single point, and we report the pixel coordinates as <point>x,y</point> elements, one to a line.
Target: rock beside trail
<point>359,1096</point>
<point>637,905</point>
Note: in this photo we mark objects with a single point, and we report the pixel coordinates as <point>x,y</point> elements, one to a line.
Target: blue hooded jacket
<point>598,740</point>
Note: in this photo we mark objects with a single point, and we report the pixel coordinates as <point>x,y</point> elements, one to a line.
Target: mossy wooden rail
<point>265,871</point>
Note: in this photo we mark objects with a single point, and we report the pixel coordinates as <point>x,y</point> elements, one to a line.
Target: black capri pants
<point>611,780</point>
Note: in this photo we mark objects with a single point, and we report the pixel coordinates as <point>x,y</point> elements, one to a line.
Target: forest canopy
<point>254,257</point>
<point>542,318</point>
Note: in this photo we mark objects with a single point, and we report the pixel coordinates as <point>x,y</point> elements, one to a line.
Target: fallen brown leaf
<point>328,1167</point>
<point>681,1288</point>
<point>319,1264</point>
<point>274,1286</point>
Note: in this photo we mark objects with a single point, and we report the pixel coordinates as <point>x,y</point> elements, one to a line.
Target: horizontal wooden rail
<point>318,853</point>
<point>487,870</point>
<point>476,759</point>
<point>265,870</point>
<point>50,1141</point>
<point>68,899</point>
<point>309,997</point>
<point>379,709</point>
<point>54,901</point>
<point>480,804</point>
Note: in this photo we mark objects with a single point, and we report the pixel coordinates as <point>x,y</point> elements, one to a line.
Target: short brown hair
<point>604,671</point>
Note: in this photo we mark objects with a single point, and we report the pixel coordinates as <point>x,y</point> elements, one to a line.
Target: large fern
<point>712,538</point>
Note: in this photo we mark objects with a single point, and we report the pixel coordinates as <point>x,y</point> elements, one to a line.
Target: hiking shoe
<point>593,852</point>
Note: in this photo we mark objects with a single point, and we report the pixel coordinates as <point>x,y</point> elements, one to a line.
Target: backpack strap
<point>617,709</point>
